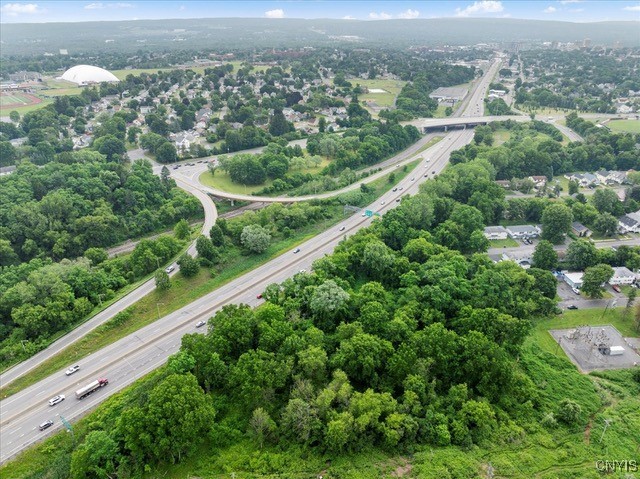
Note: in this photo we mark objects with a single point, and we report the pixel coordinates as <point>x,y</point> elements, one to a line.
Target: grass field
<point>505,243</point>
<point>4,111</point>
<point>387,99</point>
<point>625,126</point>
<point>61,91</point>
<point>222,181</point>
<point>14,98</point>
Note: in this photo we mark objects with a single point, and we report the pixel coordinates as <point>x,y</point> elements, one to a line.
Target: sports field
<point>17,99</point>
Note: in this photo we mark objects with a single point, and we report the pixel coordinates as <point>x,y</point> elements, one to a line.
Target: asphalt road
<point>106,314</point>
<point>129,358</point>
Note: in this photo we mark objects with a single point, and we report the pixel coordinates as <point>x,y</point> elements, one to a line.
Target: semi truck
<point>91,387</point>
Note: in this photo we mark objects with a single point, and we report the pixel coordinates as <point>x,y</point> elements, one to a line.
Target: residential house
<point>622,275</point>
<point>495,233</point>
<point>146,109</point>
<point>183,141</point>
<point>523,231</point>
<point>580,230</point>
<point>539,181</point>
<point>506,184</point>
<point>524,262</point>
<point>583,179</point>
<point>629,223</point>
<point>611,177</point>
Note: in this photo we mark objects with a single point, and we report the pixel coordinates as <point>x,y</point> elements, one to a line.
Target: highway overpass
<point>426,125</point>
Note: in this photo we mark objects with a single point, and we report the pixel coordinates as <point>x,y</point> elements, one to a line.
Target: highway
<point>106,314</point>
<point>134,356</point>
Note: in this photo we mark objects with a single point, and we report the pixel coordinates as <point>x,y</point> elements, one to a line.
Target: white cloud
<point>549,9</point>
<point>379,16</point>
<point>484,6</point>
<point>277,13</point>
<point>564,2</point>
<point>182,8</point>
<point>409,14</point>
<point>635,8</point>
<point>15,9</point>
<point>348,17</point>
<point>100,6</point>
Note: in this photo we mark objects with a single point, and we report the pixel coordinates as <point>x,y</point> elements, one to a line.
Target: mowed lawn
<point>624,126</point>
<point>222,181</point>
<point>383,99</point>
<point>13,98</point>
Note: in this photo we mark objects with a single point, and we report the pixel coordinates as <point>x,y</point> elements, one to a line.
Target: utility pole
<point>158,308</point>
<point>607,422</point>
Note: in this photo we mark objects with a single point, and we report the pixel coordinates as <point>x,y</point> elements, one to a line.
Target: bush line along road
<point>134,356</point>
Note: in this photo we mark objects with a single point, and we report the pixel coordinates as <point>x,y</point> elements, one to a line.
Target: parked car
<point>169,269</point>
<point>303,271</point>
<point>56,399</point>
<point>259,296</point>
<point>72,370</point>
<point>572,306</point>
<point>575,290</point>
<point>45,425</point>
<point>200,323</point>
<point>616,288</point>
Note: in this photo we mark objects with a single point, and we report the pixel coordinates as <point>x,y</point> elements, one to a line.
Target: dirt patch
<point>587,432</point>
<point>402,470</point>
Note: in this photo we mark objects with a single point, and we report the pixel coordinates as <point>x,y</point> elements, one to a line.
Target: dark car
<point>572,306</point>
<point>259,296</point>
<point>47,424</point>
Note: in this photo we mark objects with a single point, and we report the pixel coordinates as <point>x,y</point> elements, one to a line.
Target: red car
<point>259,296</point>
<point>616,288</point>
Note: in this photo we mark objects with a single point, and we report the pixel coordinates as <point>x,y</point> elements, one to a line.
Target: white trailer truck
<point>91,387</point>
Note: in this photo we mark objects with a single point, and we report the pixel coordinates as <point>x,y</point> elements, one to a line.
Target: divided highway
<point>134,356</point>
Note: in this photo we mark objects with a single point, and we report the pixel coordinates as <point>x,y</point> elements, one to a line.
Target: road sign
<point>66,423</point>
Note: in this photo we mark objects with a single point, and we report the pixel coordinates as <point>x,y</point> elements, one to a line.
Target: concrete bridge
<point>426,125</point>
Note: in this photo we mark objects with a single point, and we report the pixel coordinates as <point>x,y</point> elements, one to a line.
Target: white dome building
<point>85,74</point>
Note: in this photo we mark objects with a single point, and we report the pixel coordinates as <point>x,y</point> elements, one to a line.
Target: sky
<point>34,11</point>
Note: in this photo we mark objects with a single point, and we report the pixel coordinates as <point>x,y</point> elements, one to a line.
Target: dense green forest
<point>407,339</point>
<point>393,340</point>
<point>56,221</point>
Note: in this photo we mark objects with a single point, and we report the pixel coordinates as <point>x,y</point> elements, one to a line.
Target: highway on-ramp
<point>129,358</point>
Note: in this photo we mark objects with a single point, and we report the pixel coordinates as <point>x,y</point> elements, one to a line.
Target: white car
<point>382,203</point>
<point>199,324</point>
<point>169,269</point>
<point>576,290</point>
<point>72,370</point>
<point>303,271</point>
<point>342,228</point>
<point>56,399</point>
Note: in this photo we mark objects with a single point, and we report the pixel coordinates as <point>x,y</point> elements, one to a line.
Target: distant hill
<point>233,33</point>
